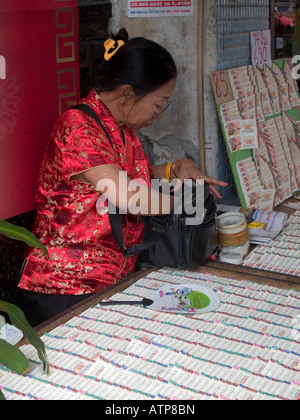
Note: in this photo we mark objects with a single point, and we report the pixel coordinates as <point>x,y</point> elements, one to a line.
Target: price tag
<point>221,86</point>
<point>261,48</point>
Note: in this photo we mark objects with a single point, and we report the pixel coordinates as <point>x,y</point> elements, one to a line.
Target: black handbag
<point>169,240</point>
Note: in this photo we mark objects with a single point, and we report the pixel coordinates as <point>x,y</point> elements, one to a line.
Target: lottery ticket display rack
<point>246,349</point>
<point>259,116</point>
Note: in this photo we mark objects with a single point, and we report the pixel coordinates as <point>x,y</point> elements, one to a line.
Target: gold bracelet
<point>168,172</point>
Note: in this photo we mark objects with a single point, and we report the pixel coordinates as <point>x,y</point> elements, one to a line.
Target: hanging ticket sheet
<point>259,115</point>
<point>160,8</point>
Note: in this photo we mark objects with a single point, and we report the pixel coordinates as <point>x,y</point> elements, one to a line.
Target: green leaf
<point>21,234</point>
<point>13,358</point>
<point>17,317</point>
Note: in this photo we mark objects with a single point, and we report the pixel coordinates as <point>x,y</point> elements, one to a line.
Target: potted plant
<point>10,355</point>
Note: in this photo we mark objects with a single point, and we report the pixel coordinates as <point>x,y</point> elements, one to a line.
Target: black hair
<point>140,63</point>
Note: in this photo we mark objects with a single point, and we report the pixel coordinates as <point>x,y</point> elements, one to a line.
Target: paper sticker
<point>160,8</point>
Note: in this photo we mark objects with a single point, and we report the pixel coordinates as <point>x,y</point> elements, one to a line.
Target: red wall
<point>39,46</point>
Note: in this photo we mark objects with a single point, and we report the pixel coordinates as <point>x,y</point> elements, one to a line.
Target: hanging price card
<point>261,48</point>
<point>221,87</point>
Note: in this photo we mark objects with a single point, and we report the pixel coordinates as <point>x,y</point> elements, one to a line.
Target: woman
<point>136,79</point>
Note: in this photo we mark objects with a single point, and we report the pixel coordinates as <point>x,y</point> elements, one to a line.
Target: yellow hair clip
<point>111,47</point>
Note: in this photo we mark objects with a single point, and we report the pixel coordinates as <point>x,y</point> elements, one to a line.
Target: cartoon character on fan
<point>176,293</point>
<point>184,303</point>
<point>185,300</point>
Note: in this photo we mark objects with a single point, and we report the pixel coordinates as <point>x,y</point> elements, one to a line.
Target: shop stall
<point>226,330</point>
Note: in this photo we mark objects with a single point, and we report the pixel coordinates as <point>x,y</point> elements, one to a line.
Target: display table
<point>247,349</point>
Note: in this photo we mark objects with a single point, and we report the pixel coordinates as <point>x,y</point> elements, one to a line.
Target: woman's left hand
<point>186,169</point>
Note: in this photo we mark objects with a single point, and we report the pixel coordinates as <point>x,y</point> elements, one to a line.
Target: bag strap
<point>157,227</point>
<point>88,110</point>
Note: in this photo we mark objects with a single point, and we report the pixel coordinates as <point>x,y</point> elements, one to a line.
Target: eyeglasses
<point>160,111</point>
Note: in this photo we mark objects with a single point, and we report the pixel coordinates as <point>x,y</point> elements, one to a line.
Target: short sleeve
<point>81,144</point>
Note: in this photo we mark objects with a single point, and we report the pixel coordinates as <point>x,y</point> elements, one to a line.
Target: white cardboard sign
<point>261,48</point>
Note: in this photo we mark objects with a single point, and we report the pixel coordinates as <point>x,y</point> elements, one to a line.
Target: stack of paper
<point>274,223</point>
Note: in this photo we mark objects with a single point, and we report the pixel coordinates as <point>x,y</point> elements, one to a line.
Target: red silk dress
<point>84,257</point>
